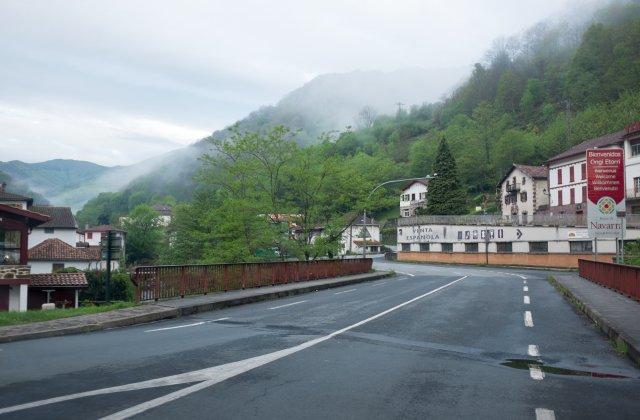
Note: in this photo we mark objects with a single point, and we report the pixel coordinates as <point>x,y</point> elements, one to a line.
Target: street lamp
<point>364,218</point>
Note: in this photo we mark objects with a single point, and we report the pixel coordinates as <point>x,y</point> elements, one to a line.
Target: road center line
<point>545,414</point>
<point>345,291</point>
<point>208,376</point>
<point>536,373</point>
<point>533,350</point>
<point>527,301</point>
<point>528,319</point>
<point>525,288</point>
<point>289,304</point>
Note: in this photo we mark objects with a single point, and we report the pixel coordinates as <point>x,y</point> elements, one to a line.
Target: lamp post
<point>364,218</point>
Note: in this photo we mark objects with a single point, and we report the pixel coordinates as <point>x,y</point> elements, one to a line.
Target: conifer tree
<point>445,194</point>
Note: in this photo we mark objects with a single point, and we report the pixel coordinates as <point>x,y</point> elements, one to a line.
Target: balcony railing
<point>513,187</point>
<point>633,193</point>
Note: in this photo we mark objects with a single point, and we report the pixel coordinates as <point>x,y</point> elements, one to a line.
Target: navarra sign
<point>605,192</point>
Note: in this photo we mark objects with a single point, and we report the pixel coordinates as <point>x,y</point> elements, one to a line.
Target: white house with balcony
<point>413,197</point>
<point>568,177</point>
<point>523,190</point>
<point>361,233</point>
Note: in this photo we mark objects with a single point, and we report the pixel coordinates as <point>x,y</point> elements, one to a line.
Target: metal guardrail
<point>633,220</point>
<point>169,281</point>
<point>619,277</point>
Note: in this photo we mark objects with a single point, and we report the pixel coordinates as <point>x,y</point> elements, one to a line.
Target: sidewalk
<point>616,315</point>
<point>172,308</point>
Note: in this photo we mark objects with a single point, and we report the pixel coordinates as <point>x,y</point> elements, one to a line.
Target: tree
<point>144,235</point>
<point>445,194</point>
<point>366,117</point>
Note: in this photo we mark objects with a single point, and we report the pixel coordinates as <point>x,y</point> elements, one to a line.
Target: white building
<point>92,236</point>
<point>355,235</point>
<point>165,213</point>
<point>523,191</point>
<point>413,196</point>
<point>54,254</point>
<point>61,226</point>
<point>568,177</point>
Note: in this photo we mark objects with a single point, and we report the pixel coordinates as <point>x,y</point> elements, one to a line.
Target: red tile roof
<point>59,280</point>
<point>35,219</point>
<point>56,250</point>
<point>7,196</point>
<point>579,149</point>
<point>539,172</point>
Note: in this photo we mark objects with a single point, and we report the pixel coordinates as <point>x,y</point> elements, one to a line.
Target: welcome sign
<point>605,192</point>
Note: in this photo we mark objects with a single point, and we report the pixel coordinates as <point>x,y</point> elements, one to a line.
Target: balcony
<point>513,188</point>
<point>633,194</point>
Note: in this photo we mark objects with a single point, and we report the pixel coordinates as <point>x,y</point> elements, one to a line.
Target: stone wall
<point>14,271</point>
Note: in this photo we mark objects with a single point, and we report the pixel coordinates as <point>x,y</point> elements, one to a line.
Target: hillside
<point>534,95</point>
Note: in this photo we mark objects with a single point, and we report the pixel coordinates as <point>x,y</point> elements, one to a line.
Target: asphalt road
<point>432,342</point>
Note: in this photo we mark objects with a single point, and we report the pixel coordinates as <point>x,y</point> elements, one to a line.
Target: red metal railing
<point>619,277</point>
<point>168,281</point>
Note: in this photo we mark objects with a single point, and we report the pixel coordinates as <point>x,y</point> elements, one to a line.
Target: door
<point>4,298</point>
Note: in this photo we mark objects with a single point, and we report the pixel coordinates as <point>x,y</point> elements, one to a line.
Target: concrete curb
<point>619,340</point>
<point>524,267</point>
<point>168,312</point>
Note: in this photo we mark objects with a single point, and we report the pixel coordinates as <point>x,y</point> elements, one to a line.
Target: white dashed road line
<point>525,289</point>
<point>345,291</point>
<point>545,414</point>
<point>378,284</point>
<point>289,304</point>
<point>528,319</point>
<point>533,350</point>
<point>527,301</point>
<point>536,373</point>
<point>176,327</point>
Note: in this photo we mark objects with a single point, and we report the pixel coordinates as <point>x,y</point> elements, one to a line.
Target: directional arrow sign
<point>519,233</point>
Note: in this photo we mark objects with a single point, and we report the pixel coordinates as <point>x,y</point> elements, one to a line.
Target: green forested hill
<point>535,95</point>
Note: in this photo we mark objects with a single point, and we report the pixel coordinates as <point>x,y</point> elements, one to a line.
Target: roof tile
<point>55,249</point>
<point>61,217</point>
<point>59,280</point>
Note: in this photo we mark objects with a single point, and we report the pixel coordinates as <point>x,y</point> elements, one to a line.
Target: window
<point>9,247</point>
<point>89,235</point>
<point>406,213</point>
<point>538,247</point>
<point>423,196</point>
<point>635,149</point>
<point>580,247</point>
<point>636,184</point>
<point>471,247</point>
<point>504,247</point>
<point>406,247</point>
<point>584,194</point>
<point>48,230</point>
<point>523,196</point>
<point>560,176</point>
<point>57,267</point>
<point>447,247</point>
<point>413,197</point>
<point>559,197</point>
<point>424,247</point>
<point>506,199</point>
<point>524,179</point>
<point>572,195</point>
<point>583,171</point>
<point>571,174</point>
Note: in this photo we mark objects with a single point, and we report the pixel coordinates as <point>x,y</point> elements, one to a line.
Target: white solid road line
<point>208,376</point>
<point>406,274</point>
<point>545,414</point>
<point>289,304</point>
<point>536,373</point>
<point>525,289</point>
<point>378,284</point>
<point>345,291</point>
<point>219,319</point>
<point>527,301</point>
<point>176,327</point>
<point>533,350</point>
<point>528,319</point>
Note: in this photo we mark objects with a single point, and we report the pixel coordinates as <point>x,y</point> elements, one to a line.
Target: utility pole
<point>400,105</point>
<point>107,292</point>
<point>568,104</point>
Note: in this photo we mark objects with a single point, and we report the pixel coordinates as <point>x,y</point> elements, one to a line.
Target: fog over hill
<point>326,103</point>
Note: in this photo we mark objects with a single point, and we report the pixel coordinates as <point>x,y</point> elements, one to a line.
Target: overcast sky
<point>115,82</point>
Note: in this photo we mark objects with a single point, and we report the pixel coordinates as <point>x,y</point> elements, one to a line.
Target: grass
<point>15,318</point>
